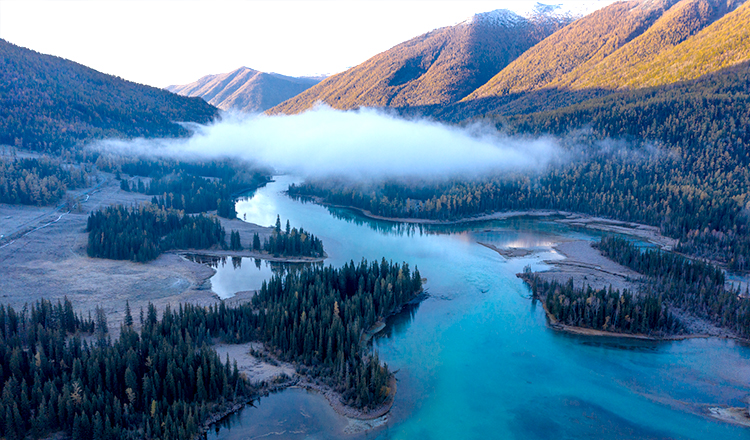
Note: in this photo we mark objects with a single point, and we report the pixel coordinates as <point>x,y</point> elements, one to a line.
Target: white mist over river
<point>358,145</point>
<point>476,360</point>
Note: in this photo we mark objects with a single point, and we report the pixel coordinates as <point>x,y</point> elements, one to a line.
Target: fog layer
<point>355,144</point>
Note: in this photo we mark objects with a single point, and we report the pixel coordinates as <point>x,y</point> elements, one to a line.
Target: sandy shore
<point>587,266</point>
<point>735,416</point>
<point>222,253</point>
<point>255,369</point>
<point>508,252</point>
<point>334,399</point>
<point>266,369</point>
<point>494,216</point>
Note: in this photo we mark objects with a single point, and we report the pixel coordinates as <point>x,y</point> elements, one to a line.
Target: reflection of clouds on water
<point>260,209</point>
<point>244,274</point>
<point>457,352</point>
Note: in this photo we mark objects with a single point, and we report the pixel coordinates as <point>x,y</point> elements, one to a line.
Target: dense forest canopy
<point>164,380</point>
<point>694,286</point>
<point>142,233</point>
<point>161,382</point>
<point>317,316</point>
<point>680,161</point>
<point>50,104</point>
<point>38,181</point>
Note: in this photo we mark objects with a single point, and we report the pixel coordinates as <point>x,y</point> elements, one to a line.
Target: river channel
<point>476,359</point>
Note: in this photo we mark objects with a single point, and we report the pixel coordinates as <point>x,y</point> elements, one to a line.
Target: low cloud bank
<point>364,144</point>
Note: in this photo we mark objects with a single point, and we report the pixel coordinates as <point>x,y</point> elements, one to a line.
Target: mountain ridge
<point>48,103</point>
<point>436,68</point>
<point>610,48</point>
<point>244,89</point>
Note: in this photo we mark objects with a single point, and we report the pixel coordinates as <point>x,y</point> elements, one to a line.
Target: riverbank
<point>261,368</point>
<point>222,253</point>
<point>648,233</point>
<point>334,399</point>
<point>556,325</point>
<point>733,415</point>
<point>586,266</point>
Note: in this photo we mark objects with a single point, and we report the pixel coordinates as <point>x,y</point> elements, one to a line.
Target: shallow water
<point>476,359</point>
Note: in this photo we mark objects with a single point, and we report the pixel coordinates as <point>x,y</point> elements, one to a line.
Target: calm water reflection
<point>476,359</point>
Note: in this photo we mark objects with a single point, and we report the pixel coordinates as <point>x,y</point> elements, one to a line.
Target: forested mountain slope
<point>630,44</point>
<point>673,156</point>
<point>724,43</point>
<point>245,89</point>
<point>48,103</point>
<point>687,36</point>
<point>437,68</point>
<point>575,49</point>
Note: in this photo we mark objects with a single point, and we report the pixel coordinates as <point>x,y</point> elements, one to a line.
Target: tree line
<point>157,383</point>
<point>695,286</point>
<point>675,157</point>
<point>38,181</point>
<point>289,242</point>
<point>142,233</point>
<point>604,309</point>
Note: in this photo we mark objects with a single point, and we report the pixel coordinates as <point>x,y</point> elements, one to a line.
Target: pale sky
<point>163,42</point>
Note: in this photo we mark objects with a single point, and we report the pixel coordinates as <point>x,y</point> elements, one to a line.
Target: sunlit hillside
<point>439,67</point>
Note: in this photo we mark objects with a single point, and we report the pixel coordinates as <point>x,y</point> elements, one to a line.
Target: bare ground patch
<point>45,259</point>
<point>587,266</point>
<point>255,369</point>
<point>43,255</point>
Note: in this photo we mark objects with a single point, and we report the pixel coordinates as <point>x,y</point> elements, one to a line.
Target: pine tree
<point>128,321</point>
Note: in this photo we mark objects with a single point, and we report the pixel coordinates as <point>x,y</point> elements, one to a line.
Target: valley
<point>527,224</point>
<point>473,294</point>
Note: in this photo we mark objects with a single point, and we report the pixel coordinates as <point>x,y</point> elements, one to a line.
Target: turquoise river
<point>476,359</point>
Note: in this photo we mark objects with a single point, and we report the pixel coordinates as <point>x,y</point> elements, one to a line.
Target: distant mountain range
<point>245,89</point>
<point>49,103</point>
<point>501,63</point>
<point>437,68</point>
<point>496,64</point>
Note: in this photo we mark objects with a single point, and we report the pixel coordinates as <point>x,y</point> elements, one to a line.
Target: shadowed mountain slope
<point>49,103</point>
<point>245,89</point>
